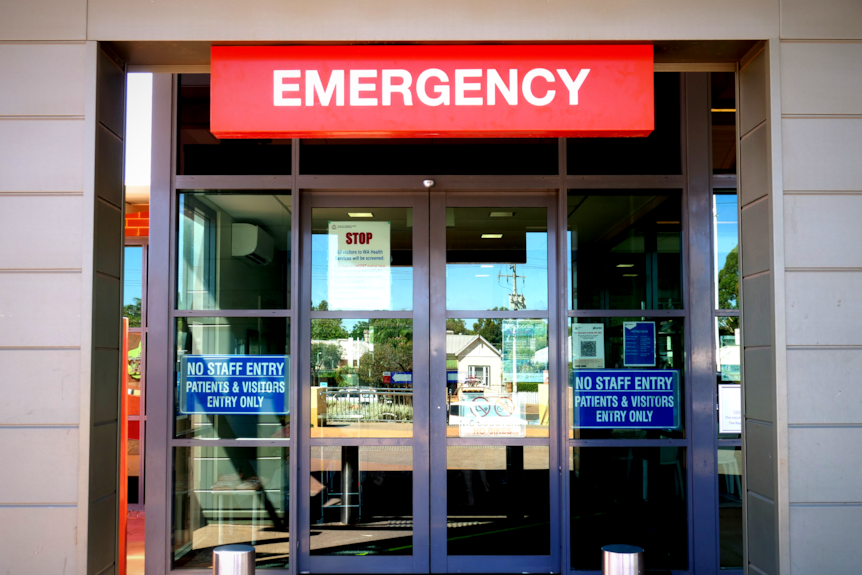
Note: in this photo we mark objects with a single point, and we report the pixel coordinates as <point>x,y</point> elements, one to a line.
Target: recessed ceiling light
<point>360,214</point>
<point>481,275</point>
<point>502,214</point>
<point>486,266</point>
<point>666,223</point>
<point>723,110</point>
<point>625,265</point>
<point>491,236</point>
<point>630,275</point>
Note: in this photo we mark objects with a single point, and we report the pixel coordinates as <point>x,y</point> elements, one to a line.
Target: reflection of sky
<point>726,226</point>
<point>475,286</point>
<point>132,284</point>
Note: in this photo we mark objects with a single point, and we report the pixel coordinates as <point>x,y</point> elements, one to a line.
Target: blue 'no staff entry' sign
<point>234,384</point>
<point>626,398</point>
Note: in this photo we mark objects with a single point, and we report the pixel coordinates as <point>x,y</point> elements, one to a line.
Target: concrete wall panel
<point>40,232</point>
<point>759,383</point>
<point>45,465</point>
<point>44,20</point>
<point>40,386</point>
<point>823,308</point>
<point>760,458</point>
<point>111,95</point>
<point>40,309</point>
<point>823,386</point>
<point>109,175</point>
<point>106,311</point>
<point>108,239</point>
<point>757,306</point>
<point>106,366</point>
<point>41,155</point>
<point>822,230</point>
<point>821,78</point>
<point>43,539</point>
<point>102,546</point>
<point>762,543</point>
<point>56,90</point>
<point>826,19</point>
<point>754,166</point>
<point>822,153</point>
<point>825,464</point>
<point>825,536</point>
<point>103,460</point>
<point>755,237</point>
<point>752,93</point>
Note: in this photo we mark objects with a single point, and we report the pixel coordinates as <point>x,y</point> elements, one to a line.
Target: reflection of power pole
<point>516,300</point>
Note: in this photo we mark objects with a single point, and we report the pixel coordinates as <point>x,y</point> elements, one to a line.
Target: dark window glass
<point>730,506</point>
<point>498,500</point>
<point>658,153</point>
<point>504,156</point>
<point>726,248</point>
<point>201,153</point>
<point>625,249</point>
<point>723,112</point>
<point>361,500</point>
<point>230,495</point>
<point>635,495</point>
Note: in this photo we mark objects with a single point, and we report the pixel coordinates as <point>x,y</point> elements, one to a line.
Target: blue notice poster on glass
<point>234,384</point>
<point>639,343</point>
<point>625,398</point>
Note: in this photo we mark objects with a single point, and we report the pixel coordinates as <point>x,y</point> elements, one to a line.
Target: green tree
<point>456,326</point>
<point>728,289</point>
<point>395,354</point>
<point>386,330</point>
<point>326,328</point>
<point>324,357</point>
<point>133,312</point>
<point>358,331</point>
<point>490,329</point>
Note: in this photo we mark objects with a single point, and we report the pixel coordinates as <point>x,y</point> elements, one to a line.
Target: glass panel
<point>723,122</point>
<point>635,495</point>
<point>361,500</point>
<point>362,259</point>
<point>504,156</point>
<point>232,377</point>
<point>625,249</point>
<point>230,495</point>
<point>201,153</point>
<point>730,506</point>
<point>496,258</point>
<point>361,377</point>
<point>498,500</point>
<point>233,251</point>
<point>133,274</point>
<point>619,394</point>
<point>133,373</point>
<point>726,230</point>
<point>728,377</point>
<point>658,153</point>
<point>497,378</point>
<point>133,459</point>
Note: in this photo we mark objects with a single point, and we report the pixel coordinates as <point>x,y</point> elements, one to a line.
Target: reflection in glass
<point>361,377</point>
<point>230,495</point>
<point>496,258</point>
<point>730,506</point>
<point>232,336</point>
<point>362,259</point>
<point>233,251</point>
<point>498,500</point>
<point>597,343</point>
<point>723,112</point>
<point>495,367</point>
<point>726,248</point>
<point>624,249</point>
<point>631,494</point>
<point>133,274</point>
<point>728,373</point>
<point>361,500</point>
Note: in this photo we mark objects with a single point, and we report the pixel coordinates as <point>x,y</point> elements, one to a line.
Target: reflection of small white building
<point>352,350</point>
<point>474,357</point>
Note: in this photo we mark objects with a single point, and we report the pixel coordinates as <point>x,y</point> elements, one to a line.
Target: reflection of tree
<point>359,329</point>
<point>728,289</point>
<point>133,312</point>
<point>324,357</point>
<point>395,354</point>
<point>326,328</point>
<point>490,329</point>
<point>385,330</point>
<point>456,326</point>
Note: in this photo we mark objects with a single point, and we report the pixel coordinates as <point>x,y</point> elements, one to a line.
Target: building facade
<point>347,480</point>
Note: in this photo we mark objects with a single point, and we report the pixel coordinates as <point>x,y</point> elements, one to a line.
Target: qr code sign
<point>588,349</point>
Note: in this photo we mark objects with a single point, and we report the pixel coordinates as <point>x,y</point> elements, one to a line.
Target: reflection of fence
<point>528,397</point>
<point>368,404</point>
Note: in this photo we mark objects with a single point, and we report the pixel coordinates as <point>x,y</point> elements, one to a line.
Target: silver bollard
<point>233,560</point>
<point>622,560</point>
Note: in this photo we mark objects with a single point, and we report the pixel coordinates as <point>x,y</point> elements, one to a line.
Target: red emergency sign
<point>427,91</point>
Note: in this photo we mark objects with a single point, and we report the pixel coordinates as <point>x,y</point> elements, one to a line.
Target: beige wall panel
<point>754,166</point>
<point>757,310</point>
<point>833,19</point>
<point>108,238</point>
<point>761,534</point>
<point>38,539</point>
<point>44,20</point>
<point>759,383</point>
<point>48,79</point>
<point>40,309</point>
<point>106,312</point>
<point>298,20</point>
<point>760,458</point>
<point>40,386</point>
<point>109,166</point>
<point>40,232</point>
<point>821,78</point>
<point>752,93</point>
<point>41,155</point>
<point>823,308</point>
<point>103,460</point>
<point>106,387</point>
<point>45,465</point>
<point>755,237</point>
<point>103,535</point>
<point>823,386</point>
<point>822,153</point>
<point>822,230</point>
<point>824,468</point>
<point>821,536</point>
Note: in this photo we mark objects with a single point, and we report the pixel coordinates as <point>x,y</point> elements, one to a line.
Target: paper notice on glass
<point>729,408</point>
<point>359,265</point>
<point>588,345</point>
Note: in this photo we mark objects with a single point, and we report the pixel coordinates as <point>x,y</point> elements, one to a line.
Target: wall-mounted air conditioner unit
<point>251,244</point>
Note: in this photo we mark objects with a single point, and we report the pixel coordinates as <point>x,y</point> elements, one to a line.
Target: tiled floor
<point>135,543</point>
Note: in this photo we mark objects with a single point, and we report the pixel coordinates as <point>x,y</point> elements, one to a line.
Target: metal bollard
<point>622,560</point>
<point>233,560</point>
